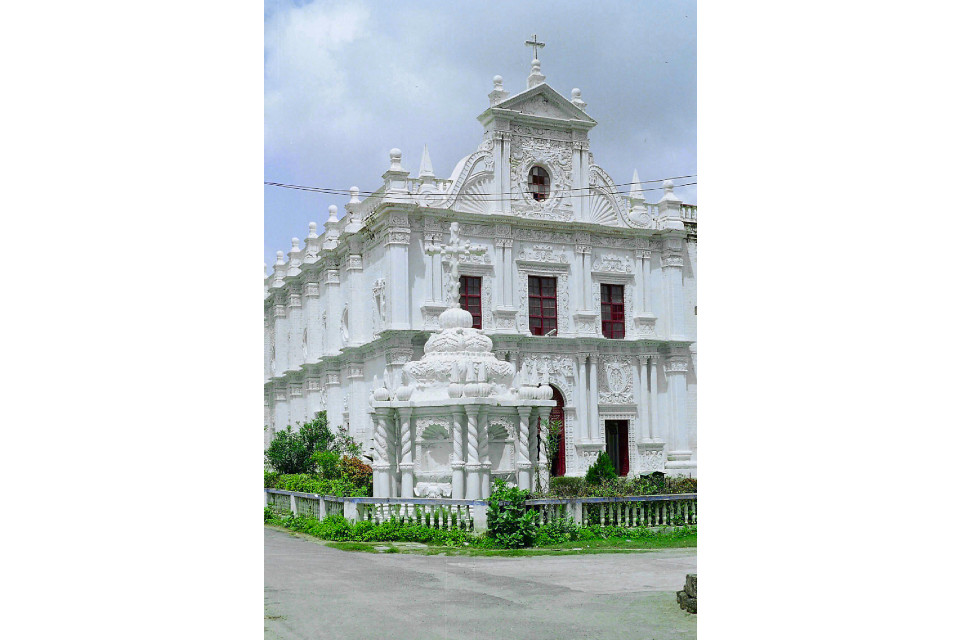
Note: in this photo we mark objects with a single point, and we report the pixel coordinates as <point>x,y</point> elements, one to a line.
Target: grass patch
<point>367,547</point>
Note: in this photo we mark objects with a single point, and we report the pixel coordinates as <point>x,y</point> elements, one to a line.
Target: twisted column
<point>406,454</point>
<point>544,433</point>
<point>485,464</point>
<point>380,466</point>
<point>457,463</point>
<point>523,449</point>
<point>473,454</point>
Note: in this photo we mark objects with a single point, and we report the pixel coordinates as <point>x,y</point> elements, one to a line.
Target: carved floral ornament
<point>611,263</point>
<point>434,428</point>
<point>543,253</point>
<point>616,388</point>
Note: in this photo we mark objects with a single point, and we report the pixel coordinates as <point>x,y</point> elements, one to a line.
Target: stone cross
<point>451,253</point>
<point>536,45</point>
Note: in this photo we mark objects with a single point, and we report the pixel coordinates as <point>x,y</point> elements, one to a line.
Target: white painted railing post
<point>350,511</point>
<point>293,506</point>
<point>479,517</point>
<point>574,510</point>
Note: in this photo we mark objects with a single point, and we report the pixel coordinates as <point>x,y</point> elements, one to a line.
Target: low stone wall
<point>687,597</point>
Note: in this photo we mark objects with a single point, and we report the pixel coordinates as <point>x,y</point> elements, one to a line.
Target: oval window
<point>539,183</point>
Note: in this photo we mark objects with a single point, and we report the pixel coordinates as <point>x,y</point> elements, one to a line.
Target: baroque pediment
<point>543,101</point>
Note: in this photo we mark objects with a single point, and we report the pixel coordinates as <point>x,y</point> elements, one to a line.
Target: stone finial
<point>577,102</point>
<point>313,230</point>
<point>294,244</point>
<point>279,257</point>
<point>332,209</point>
<point>668,194</point>
<point>354,195</point>
<point>498,95</point>
<point>535,76</point>
<point>395,160</point>
<point>426,167</point>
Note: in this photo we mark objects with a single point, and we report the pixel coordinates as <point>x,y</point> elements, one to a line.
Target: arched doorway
<point>558,466</point>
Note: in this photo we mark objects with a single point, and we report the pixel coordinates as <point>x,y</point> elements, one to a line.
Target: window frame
<point>540,298</point>
<point>465,298</point>
<point>617,312</point>
<point>542,191</point>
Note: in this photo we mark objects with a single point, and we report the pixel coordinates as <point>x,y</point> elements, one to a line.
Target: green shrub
<point>508,520</point>
<point>568,487</point>
<point>326,462</point>
<point>601,470</point>
<point>270,479</point>
<point>557,531</point>
<point>310,483</point>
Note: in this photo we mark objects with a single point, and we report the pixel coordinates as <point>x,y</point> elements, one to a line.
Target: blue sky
<point>345,82</point>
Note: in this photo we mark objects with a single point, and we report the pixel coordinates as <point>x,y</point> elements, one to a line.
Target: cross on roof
<point>536,45</point>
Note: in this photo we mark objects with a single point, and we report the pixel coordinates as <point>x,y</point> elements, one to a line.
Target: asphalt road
<point>315,592</point>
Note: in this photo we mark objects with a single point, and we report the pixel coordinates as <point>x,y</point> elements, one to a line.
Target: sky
<point>345,82</point>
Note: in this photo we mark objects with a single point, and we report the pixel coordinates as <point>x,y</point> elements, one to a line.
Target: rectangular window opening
<point>470,287</point>
<point>612,319</point>
<point>542,304</point>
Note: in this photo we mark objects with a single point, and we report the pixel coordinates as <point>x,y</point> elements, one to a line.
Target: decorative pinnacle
<point>313,230</point>
<point>333,213</point>
<point>279,257</point>
<point>498,83</point>
<point>294,244</point>
<point>426,168</point>
<point>354,195</point>
<point>636,193</point>
<point>575,99</point>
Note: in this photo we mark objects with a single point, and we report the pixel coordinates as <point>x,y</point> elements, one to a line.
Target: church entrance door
<point>617,447</point>
<point>558,466</point>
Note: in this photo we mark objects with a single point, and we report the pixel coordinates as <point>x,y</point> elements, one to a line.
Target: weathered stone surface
<point>691,586</point>
<point>687,597</point>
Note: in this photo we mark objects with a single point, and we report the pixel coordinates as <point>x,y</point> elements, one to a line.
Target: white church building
<point>592,290</point>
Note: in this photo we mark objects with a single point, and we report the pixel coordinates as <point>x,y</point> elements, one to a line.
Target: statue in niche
<point>344,333</point>
<point>323,333</point>
<point>380,305</point>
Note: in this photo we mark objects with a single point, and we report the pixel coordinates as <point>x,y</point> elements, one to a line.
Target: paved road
<point>314,592</point>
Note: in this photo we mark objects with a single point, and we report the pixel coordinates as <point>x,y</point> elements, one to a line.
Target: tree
<point>601,470</point>
<point>292,451</point>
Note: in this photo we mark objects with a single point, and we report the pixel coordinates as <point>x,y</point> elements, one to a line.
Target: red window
<point>611,310</point>
<point>542,301</point>
<point>470,298</point>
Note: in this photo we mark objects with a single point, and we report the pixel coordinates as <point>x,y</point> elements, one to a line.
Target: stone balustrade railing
<point>471,515</point>
<point>688,212</point>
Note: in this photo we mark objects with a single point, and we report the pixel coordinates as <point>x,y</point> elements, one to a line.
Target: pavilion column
<point>281,411</point>
<point>596,434</point>
<point>506,189</point>
<point>485,464</point>
<point>381,469</point>
<point>429,257</point>
<point>523,449</point>
<point>459,417</point>
<point>473,454</point>
<point>679,445</point>
<point>543,432</point>
<point>406,453</point>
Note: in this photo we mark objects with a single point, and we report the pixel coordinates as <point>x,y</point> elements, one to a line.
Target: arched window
<point>539,183</point>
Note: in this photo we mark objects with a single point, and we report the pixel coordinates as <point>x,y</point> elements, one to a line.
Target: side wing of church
<point>566,276</point>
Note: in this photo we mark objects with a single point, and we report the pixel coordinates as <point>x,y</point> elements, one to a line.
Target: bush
<point>509,522</point>
<point>568,487</point>
<point>326,463</point>
<point>557,531</point>
<point>601,470</point>
<point>292,451</point>
<point>308,483</point>
<point>354,471</point>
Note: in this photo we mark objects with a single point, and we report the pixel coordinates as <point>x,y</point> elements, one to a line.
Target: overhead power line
<point>347,192</point>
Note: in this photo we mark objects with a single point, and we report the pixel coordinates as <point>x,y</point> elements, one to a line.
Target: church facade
<point>570,278</point>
